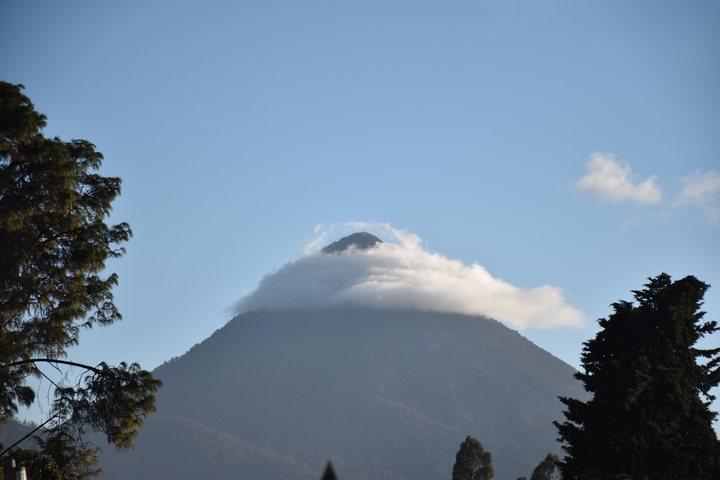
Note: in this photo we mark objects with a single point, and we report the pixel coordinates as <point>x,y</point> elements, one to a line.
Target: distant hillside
<point>172,448</point>
<point>11,431</point>
<point>383,394</point>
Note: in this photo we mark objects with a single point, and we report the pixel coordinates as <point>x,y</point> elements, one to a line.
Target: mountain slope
<point>383,394</point>
<point>174,448</point>
<point>11,431</point>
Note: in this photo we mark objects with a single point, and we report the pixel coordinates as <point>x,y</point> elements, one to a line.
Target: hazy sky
<point>563,143</point>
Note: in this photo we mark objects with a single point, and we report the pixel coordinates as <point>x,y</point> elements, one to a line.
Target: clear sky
<point>571,143</point>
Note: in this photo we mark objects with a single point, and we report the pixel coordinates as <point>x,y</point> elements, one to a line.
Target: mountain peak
<point>359,240</point>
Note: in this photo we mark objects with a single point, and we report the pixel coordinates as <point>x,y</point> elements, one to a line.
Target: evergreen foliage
<point>59,458</point>
<point>649,417</point>
<point>472,462</point>
<point>54,243</point>
<point>548,469</point>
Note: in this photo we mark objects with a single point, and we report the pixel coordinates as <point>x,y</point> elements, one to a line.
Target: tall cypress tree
<point>649,417</point>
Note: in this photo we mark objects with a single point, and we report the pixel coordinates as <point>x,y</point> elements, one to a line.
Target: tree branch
<point>54,360</point>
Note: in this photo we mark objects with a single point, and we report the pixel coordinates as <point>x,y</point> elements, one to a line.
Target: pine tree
<point>472,462</point>
<point>649,417</point>
<point>54,243</point>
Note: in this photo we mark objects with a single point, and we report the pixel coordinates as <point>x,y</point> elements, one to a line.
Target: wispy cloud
<point>402,274</point>
<point>703,189</point>
<point>610,179</point>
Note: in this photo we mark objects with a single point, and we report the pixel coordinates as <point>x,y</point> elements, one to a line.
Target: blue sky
<point>237,127</point>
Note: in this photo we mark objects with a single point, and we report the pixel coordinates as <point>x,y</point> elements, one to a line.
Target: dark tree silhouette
<point>472,462</point>
<point>53,246</point>
<point>329,473</point>
<point>548,469</point>
<point>649,417</point>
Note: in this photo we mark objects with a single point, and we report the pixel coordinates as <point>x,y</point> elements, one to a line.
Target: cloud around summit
<point>402,274</point>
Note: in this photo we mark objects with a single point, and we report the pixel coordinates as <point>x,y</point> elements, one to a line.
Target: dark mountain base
<point>383,394</point>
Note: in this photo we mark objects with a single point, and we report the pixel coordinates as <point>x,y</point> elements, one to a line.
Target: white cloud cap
<point>610,179</point>
<point>404,275</point>
<point>703,189</point>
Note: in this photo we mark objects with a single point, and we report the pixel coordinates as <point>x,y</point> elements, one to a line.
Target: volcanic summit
<point>359,241</point>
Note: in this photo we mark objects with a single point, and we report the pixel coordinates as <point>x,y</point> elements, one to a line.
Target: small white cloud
<point>703,189</point>
<point>402,274</point>
<point>612,180</point>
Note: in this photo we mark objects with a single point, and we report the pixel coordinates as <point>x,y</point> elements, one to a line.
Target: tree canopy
<point>472,462</point>
<point>548,469</point>
<point>54,243</point>
<point>649,417</point>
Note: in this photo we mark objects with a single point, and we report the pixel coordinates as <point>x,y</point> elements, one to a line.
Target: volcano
<point>382,393</point>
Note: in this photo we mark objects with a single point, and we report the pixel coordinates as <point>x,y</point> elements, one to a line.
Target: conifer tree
<point>53,246</point>
<point>649,417</point>
<point>472,462</point>
<point>329,473</point>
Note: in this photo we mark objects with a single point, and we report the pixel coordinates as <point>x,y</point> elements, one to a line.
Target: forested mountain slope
<point>383,394</point>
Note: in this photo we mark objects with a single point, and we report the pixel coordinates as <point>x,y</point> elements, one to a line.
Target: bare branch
<point>54,361</point>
